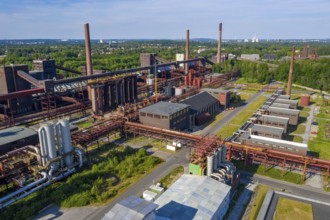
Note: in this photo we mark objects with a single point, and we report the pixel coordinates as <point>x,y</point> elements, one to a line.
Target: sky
<point>164,19</point>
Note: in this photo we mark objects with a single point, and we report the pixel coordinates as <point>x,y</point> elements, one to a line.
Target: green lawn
<point>288,209</point>
<point>324,112</point>
<point>84,124</point>
<point>303,114</point>
<point>320,145</point>
<point>170,178</point>
<point>270,172</point>
<point>257,200</point>
<point>300,129</point>
<point>241,118</point>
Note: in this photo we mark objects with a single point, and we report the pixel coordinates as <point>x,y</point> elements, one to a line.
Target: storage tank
<point>215,160</point>
<point>64,140</point>
<point>168,90</point>
<point>223,154</point>
<point>209,169</point>
<point>304,100</point>
<point>47,144</point>
<point>220,156</point>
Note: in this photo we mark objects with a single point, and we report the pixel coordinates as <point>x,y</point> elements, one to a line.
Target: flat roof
<point>218,91</point>
<point>280,105</point>
<point>286,101</point>
<point>192,197</point>
<point>267,129</point>
<point>15,133</point>
<point>271,118</point>
<point>164,108</point>
<point>132,207</point>
<point>199,101</point>
<point>284,110</point>
<point>284,97</point>
<point>278,142</point>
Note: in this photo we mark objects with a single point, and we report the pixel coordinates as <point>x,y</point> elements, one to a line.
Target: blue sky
<point>110,19</point>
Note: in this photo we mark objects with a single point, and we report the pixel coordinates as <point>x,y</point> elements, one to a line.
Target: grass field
<point>241,118</point>
<point>257,200</point>
<point>170,178</point>
<point>320,145</point>
<point>270,172</point>
<point>288,209</point>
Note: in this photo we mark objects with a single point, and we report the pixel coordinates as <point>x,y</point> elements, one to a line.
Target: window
<point>150,115</point>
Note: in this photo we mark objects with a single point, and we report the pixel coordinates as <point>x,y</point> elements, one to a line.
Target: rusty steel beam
<point>28,78</point>
<point>20,94</point>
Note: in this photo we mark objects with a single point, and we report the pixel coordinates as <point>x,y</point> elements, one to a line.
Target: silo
<point>223,154</point>
<point>64,140</point>
<point>215,160</point>
<point>47,144</point>
<point>209,165</point>
<point>220,156</point>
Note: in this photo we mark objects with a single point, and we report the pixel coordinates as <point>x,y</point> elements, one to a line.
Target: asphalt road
<point>299,190</point>
<point>180,158</point>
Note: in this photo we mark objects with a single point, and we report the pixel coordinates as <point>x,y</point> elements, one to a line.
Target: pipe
<point>13,152</point>
<point>36,149</point>
<point>43,179</point>
<point>219,44</point>
<point>41,133</point>
<point>80,153</point>
<point>63,175</point>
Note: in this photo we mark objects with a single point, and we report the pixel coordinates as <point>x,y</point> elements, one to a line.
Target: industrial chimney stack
<point>89,66</point>
<point>187,50</point>
<point>288,89</point>
<point>219,44</point>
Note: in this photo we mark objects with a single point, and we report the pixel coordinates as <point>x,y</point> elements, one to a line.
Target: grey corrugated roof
<point>284,110</point>
<point>270,118</point>
<point>267,129</point>
<point>284,97</point>
<point>280,105</point>
<point>199,101</point>
<point>192,197</point>
<point>164,108</point>
<point>131,208</point>
<point>286,101</point>
<point>12,134</point>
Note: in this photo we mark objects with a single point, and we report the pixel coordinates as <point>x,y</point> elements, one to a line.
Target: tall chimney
<point>187,50</point>
<point>219,44</point>
<point>89,67</point>
<point>288,89</point>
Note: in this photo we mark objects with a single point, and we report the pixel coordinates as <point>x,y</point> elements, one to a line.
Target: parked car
<point>315,123</point>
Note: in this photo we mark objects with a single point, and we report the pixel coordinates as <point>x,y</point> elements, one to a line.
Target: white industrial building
<point>194,197</point>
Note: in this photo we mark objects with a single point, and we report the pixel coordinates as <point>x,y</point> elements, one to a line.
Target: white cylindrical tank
<point>223,154</point>
<point>47,144</point>
<point>64,140</point>
<point>209,169</point>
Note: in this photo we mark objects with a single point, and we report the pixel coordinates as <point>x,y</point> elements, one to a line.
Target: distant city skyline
<point>164,19</point>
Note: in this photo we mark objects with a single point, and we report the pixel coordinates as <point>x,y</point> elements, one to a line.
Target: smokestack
<point>187,50</point>
<point>288,89</point>
<point>219,44</point>
<point>89,67</point>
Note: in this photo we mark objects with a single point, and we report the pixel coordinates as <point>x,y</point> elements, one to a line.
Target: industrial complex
<point>163,100</point>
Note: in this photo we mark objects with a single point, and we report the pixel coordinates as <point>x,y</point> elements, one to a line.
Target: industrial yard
<point>108,137</point>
